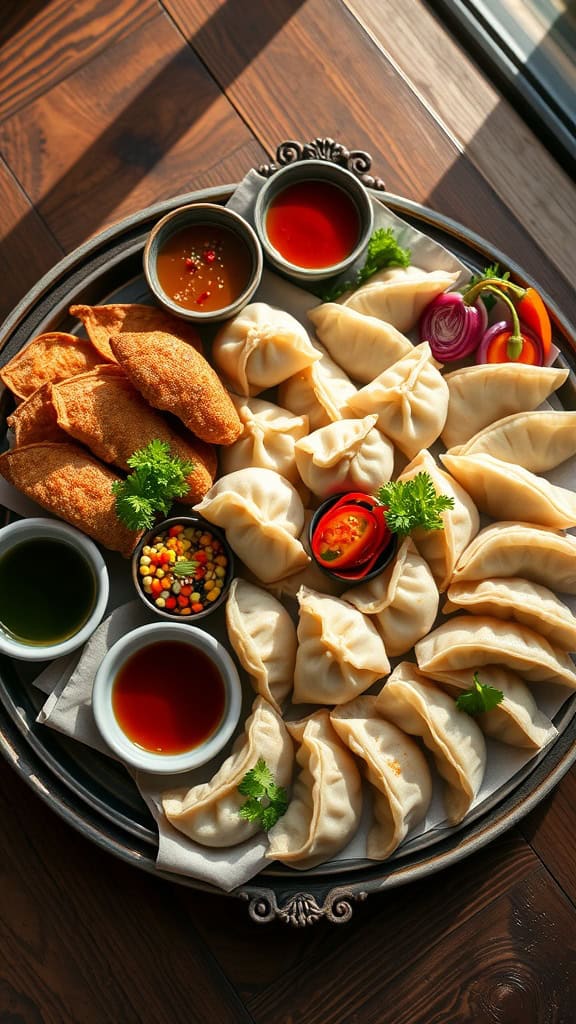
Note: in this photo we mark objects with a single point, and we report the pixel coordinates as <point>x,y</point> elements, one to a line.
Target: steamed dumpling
<point>260,347</point>
<point>486,392</point>
<point>410,399</point>
<point>525,602</point>
<point>268,436</point>
<point>349,455</point>
<point>516,720</point>
<point>443,548</point>
<point>470,641</point>
<point>263,516</point>
<point>510,492</point>
<point>402,600</point>
<point>520,549</point>
<point>362,345</point>
<point>263,637</point>
<point>398,295</point>
<point>419,707</point>
<point>208,812</point>
<point>394,766</point>
<point>311,576</point>
<point>319,391</point>
<point>537,441</point>
<point>326,805</point>
<point>340,653</point>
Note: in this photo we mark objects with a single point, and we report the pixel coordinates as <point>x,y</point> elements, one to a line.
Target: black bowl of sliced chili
<point>182,568</point>
<point>349,538</point>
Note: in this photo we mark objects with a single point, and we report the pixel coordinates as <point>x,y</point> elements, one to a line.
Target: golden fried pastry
<point>65,480</point>
<point>35,419</point>
<point>175,377</point>
<point>103,409</point>
<point>105,322</point>
<point>48,357</point>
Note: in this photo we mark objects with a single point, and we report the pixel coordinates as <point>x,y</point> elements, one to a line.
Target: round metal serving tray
<point>93,793</point>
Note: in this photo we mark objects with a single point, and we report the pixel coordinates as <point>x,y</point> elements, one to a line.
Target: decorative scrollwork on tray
<point>302,908</point>
<point>355,160</point>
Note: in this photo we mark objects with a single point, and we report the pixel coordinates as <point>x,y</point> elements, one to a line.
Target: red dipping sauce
<point>168,698</point>
<point>313,224</point>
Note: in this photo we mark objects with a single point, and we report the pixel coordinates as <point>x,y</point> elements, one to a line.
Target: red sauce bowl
<point>314,220</point>
<point>364,556</point>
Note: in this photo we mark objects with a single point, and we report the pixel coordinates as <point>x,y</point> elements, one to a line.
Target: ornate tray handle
<point>302,908</point>
<point>355,160</point>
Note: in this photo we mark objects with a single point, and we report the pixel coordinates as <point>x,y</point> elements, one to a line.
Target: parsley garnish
<point>413,503</point>
<point>158,479</point>
<point>479,698</point>
<point>383,251</point>
<point>266,801</point>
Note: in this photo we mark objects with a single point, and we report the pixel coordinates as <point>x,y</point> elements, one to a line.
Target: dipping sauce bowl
<point>203,262</point>
<point>349,539</point>
<point>314,219</point>
<point>53,589</point>
<point>166,697</point>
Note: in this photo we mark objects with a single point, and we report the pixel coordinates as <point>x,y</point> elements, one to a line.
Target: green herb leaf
<point>479,698</point>
<point>158,479</point>
<point>266,801</point>
<point>383,251</point>
<point>413,503</point>
<point>184,568</point>
<point>489,273</point>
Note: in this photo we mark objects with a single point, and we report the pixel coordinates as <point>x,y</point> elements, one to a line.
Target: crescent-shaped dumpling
<point>534,553</point>
<point>263,637</point>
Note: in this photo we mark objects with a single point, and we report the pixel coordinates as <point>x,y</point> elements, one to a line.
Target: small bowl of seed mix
<point>182,568</point>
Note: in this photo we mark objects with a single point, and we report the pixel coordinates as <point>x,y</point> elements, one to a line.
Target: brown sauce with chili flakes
<point>204,267</point>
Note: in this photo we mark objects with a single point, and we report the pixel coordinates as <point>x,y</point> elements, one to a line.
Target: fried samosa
<point>105,322</point>
<point>104,411</point>
<point>65,480</point>
<point>173,376</point>
<point>48,357</point>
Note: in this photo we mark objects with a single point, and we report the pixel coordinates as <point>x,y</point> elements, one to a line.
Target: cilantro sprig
<point>158,479</point>
<point>413,503</point>
<point>479,698</point>
<point>383,251</point>
<point>266,801</point>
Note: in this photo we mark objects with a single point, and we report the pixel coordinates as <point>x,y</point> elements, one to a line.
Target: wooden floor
<point>105,107</point>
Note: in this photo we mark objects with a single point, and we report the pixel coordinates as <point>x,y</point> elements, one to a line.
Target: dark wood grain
<point>550,831</point>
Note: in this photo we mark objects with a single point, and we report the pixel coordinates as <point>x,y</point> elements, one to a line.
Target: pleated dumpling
<point>263,516</point>
<point>398,295</point>
<point>340,653</point>
<point>501,489</point>
<point>421,708</point>
<point>263,637</point>
<point>208,812</point>
<point>537,440</point>
<point>319,391</point>
<point>311,576</point>
<point>410,399</point>
<point>471,641</point>
<point>326,805</point>
<point>348,455</point>
<point>486,392</point>
<point>402,600</point>
<point>520,549</point>
<point>516,720</point>
<point>525,602</point>
<point>260,347</point>
<point>394,766</point>
<point>268,436</point>
<point>362,345</point>
<point>443,548</point>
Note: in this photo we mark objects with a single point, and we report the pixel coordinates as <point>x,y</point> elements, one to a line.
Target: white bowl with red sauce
<point>203,262</point>
<point>167,697</point>
<point>314,220</point>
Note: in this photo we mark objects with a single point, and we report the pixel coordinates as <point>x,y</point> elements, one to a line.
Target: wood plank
<point>41,43</point>
<point>140,122</point>
<point>88,938</point>
<point>27,249</point>
<point>550,832</point>
<point>269,963</point>
<point>511,961</point>
<point>320,76</point>
<point>487,129</point>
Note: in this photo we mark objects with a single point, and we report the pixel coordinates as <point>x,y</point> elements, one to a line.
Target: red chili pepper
<point>505,343</point>
<point>528,306</point>
<point>202,298</point>
<point>352,533</point>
